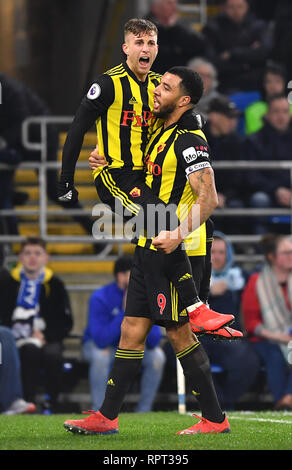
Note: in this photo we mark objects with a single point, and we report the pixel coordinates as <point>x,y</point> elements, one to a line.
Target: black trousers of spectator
<point>36,361</point>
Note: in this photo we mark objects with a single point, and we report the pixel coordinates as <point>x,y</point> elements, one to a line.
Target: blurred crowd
<point>243,55</point>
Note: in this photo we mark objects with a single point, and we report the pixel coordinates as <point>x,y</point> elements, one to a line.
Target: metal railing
<point>43,211</point>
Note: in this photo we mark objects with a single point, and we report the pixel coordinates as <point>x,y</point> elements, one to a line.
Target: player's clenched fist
<point>96,160</point>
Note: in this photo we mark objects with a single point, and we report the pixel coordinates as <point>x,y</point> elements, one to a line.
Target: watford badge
<point>161,147</point>
<point>135,192</point>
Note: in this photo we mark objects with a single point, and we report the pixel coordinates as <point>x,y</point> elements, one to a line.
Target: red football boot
<point>225,334</point>
<point>207,427</point>
<point>204,319</point>
<point>95,423</point>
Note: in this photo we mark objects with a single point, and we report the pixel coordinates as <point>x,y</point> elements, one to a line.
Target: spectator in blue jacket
<point>102,334</point>
<point>237,359</point>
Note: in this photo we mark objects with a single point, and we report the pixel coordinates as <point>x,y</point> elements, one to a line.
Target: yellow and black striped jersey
<point>123,106</point>
<point>172,154</point>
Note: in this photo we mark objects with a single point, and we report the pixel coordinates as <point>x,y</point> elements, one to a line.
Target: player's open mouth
<point>155,103</point>
<point>144,60</point>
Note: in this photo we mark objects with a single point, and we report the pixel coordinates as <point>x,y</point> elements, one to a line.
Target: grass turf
<point>150,431</point>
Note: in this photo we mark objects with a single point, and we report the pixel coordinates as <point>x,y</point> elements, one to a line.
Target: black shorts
<point>127,195</point>
<point>151,294</point>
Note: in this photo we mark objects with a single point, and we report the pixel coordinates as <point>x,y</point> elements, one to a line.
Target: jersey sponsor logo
<point>197,167</point>
<point>135,192</point>
<point>130,118</point>
<point>192,153</point>
<point>152,168</point>
<point>94,91</point>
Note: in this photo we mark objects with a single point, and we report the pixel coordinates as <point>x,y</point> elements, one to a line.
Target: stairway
<point>66,258</point>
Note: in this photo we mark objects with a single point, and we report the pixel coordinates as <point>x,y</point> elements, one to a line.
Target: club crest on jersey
<point>135,192</point>
<point>161,147</point>
<point>94,91</point>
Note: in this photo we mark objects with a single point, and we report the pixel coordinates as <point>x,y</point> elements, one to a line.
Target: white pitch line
<point>245,416</point>
<point>269,420</point>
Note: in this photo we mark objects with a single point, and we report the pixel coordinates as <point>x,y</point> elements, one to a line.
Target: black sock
<point>122,375</point>
<point>196,367</point>
<point>178,269</point>
<point>205,283</point>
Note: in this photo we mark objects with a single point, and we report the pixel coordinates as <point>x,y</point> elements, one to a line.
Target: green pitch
<point>149,431</point>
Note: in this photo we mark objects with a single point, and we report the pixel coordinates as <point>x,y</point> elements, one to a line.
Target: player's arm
<point>203,185</point>
<point>194,156</point>
<point>94,104</point>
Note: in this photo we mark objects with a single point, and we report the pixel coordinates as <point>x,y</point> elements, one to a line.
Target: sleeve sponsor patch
<point>94,91</point>
<point>192,153</point>
<point>197,167</point>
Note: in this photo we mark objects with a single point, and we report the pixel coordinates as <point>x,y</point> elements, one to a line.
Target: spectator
<point>238,44</point>
<point>209,76</point>
<point>282,38</point>
<point>19,103</point>
<point>177,43</point>
<point>35,305</point>
<point>267,313</point>
<point>238,360</point>
<point>226,144</point>
<point>270,188</point>
<point>102,334</point>
<point>274,83</point>
<point>11,395</point>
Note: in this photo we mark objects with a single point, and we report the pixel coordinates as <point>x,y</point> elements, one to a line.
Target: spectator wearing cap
<point>226,144</point>
<point>238,44</point>
<point>274,83</point>
<point>101,337</point>
<point>273,142</point>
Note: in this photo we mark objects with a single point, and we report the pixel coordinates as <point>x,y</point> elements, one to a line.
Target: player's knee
<point>133,333</point>
<point>180,336</point>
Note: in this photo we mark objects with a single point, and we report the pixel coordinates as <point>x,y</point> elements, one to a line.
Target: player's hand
<point>67,193</point>
<point>96,160</point>
<point>166,242</point>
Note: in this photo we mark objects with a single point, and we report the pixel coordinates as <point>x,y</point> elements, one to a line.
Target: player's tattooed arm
<point>203,185</point>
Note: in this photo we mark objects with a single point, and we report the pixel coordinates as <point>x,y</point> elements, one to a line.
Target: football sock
<point>178,269</point>
<point>196,367</point>
<point>126,366</point>
<point>205,282</point>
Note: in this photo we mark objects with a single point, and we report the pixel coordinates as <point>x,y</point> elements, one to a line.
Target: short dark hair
<point>191,82</point>
<point>139,25</point>
<point>269,243</point>
<point>123,263</point>
<point>276,69</point>
<point>278,96</point>
<point>33,241</point>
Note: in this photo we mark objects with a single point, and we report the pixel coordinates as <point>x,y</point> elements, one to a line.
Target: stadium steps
<point>74,258</point>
